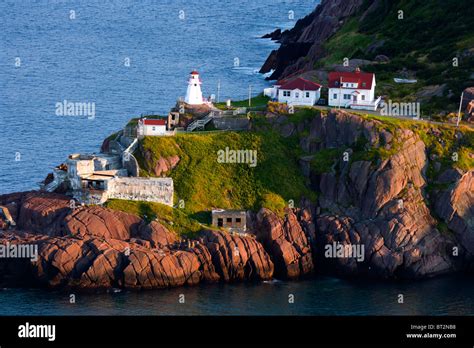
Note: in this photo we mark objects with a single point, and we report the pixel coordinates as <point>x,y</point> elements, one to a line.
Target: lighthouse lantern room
<point>194,94</point>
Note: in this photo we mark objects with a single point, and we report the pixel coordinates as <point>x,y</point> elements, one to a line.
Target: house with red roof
<point>151,127</point>
<point>355,90</point>
<point>297,92</point>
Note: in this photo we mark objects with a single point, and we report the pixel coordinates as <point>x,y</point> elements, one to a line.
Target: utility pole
<point>459,111</point>
<point>250,95</point>
<point>218,90</point>
<point>340,86</point>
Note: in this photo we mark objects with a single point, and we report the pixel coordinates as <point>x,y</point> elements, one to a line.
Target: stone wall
<point>234,123</point>
<point>142,189</point>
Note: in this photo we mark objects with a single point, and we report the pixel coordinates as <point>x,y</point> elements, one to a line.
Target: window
<point>153,128</point>
<point>363,84</point>
<point>362,97</point>
<point>347,96</point>
<point>286,93</point>
<point>336,83</point>
<point>297,94</point>
<point>307,94</point>
<point>220,222</point>
<point>335,96</point>
<point>238,220</point>
<point>229,220</point>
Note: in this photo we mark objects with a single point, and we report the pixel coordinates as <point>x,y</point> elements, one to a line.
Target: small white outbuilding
<point>298,92</point>
<point>150,127</point>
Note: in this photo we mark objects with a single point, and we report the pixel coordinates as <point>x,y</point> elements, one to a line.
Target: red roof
<point>194,72</point>
<point>301,84</point>
<point>148,122</point>
<point>364,80</point>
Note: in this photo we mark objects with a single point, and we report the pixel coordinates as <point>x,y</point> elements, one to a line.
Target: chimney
<point>357,70</point>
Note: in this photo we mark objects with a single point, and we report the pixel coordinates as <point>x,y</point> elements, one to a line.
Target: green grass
<point>175,220</point>
<point>274,202</point>
<point>256,102</point>
<point>203,183</point>
<point>302,114</point>
<point>324,160</point>
<point>346,43</point>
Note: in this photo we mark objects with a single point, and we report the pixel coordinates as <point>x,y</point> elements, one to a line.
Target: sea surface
<point>78,51</point>
<point>319,296</point>
<point>49,54</point>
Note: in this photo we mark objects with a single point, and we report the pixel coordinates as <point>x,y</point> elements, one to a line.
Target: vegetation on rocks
<point>257,102</point>
<point>174,219</point>
<point>203,183</point>
<point>414,45</point>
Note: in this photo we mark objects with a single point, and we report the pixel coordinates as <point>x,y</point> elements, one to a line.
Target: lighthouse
<point>194,94</point>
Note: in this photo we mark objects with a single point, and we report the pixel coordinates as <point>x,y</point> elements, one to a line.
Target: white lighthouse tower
<point>194,94</point>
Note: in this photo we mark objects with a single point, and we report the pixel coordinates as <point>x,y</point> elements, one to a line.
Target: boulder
<point>274,35</point>
<point>158,235</point>
<point>102,222</point>
<point>165,164</point>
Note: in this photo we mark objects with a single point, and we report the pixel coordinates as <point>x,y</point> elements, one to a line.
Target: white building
<point>355,90</point>
<point>298,92</point>
<point>151,127</point>
<point>193,93</point>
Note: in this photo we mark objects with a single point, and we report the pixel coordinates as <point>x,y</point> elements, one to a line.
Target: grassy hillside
<point>204,183</point>
<point>421,45</point>
<point>174,219</point>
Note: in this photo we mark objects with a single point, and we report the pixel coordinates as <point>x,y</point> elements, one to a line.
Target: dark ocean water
<point>82,60</point>
<point>320,296</point>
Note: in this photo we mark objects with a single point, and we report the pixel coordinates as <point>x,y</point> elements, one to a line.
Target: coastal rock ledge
<point>95,247</point>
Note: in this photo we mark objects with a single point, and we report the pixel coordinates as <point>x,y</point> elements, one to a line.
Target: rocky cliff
<point>378,190</point>
<point>388,206</point>
<point>95,247</point>
<point>303,45</point>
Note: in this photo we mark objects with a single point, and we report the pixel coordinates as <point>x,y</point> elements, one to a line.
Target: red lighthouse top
<point>194,72</point>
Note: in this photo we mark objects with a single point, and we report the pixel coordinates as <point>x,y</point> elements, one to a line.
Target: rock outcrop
<point>303,45</point>
<point>101,222</point>
<point>286,242</point>
<point>374,217</point>
<point>94,247</point>
<point>165,164</point>
<point>160,166</point>
<point>158,235</point>
<point>237,257</point>
<point>455,206</point>
<point>43,212</point>
<point>377,203</point>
